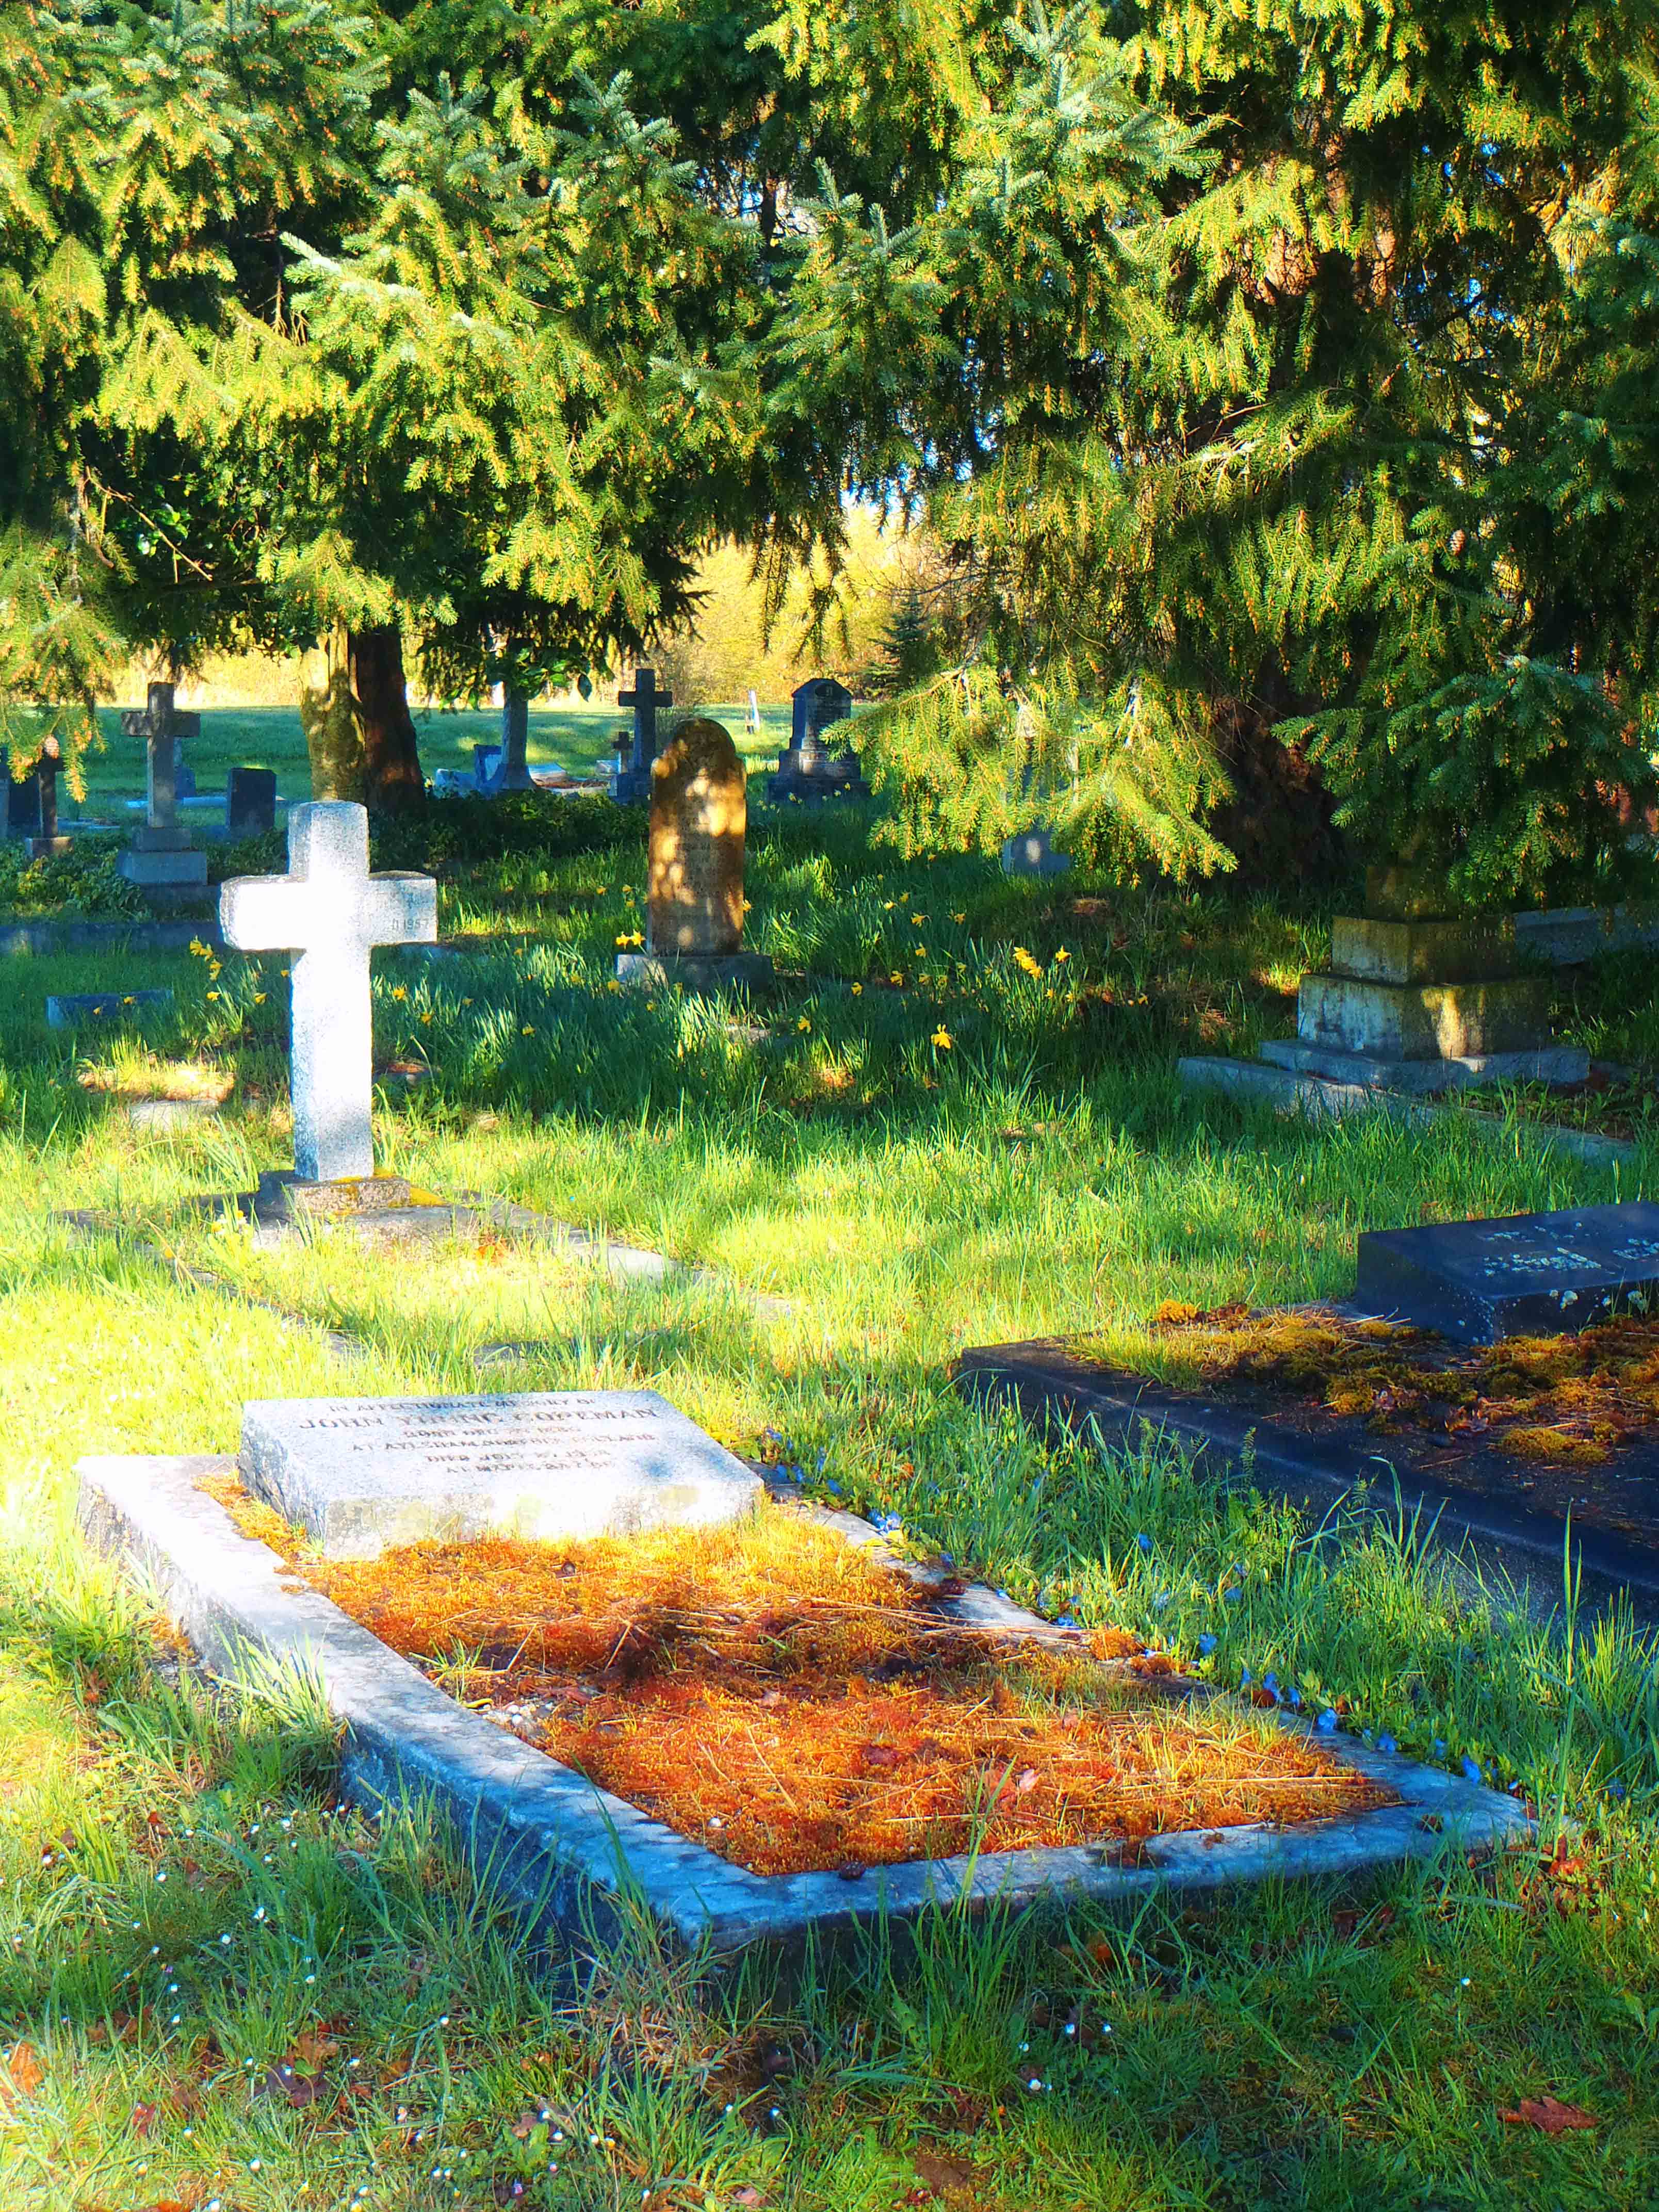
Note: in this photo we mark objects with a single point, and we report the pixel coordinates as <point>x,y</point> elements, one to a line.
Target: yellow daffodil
<point>398,991</point>
<point>526,1031</point>
<point>201,951</point>
<point>258,998</point>
<point>426,1021</point>
<point>958,917</point>
<point>1062,954</point>
<point>943,1040</point>
<point>803,1023</point>
<point>1022,959</point>
<point>858,990</point>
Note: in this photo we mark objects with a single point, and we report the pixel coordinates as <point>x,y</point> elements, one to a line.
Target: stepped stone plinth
<point>1417,999</point>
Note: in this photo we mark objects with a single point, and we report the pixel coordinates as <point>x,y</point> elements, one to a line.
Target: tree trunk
<point>391,757</point>
<point>1278,820</point>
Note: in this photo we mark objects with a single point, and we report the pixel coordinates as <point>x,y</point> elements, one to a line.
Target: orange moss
<point>797,1706</point>
<point>1570,1399</point>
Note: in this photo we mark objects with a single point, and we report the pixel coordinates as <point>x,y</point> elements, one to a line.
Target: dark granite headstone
<point>1532,1274</point>
<point>21,801</point>
<point>818,703</point>
<point>251,802</point>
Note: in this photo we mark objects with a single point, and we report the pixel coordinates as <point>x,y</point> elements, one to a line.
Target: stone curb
<point>566,1852</point>
<point>40,938</point>
<point>1322,1099</point>
<point>1047,1381</point>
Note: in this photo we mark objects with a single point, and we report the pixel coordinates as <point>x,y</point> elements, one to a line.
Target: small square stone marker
<point>1531,1275</point>
<point>363,1473</point>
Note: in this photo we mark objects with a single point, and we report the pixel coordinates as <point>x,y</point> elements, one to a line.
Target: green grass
<point>582,740</point>
<point>1040,1172</point>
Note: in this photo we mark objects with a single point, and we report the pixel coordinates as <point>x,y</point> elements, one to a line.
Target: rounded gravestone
<point>699,814</point>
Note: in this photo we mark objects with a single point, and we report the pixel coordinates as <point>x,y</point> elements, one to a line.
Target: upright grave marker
<point>251,802</point>
<point>159,859</point>
<point>694,888</point>
<point>30,803</point>
<point>630,780</point>
<point>810,769</point>
<point>329,913</point>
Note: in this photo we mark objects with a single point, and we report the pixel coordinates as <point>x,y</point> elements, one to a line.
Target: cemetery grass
<point>1037,1172</point>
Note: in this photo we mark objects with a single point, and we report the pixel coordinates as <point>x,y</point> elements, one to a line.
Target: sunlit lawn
<point>995,1153</point>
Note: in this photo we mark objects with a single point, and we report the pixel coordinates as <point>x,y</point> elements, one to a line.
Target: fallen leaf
<point>1549,2114</point>
<point>311,2046</point>
<point>942,2172</point>
<point>748,2197</point>
<point>1026,1780</point>
<point>879,1754</point>
<point>142,2118</point>
<point>298,2090</point>
<point>22,2064</point>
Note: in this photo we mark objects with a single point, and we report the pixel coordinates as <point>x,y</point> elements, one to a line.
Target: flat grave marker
<point>1531,1275</point>
<point>66,1010</point>
<point>363,1473</point>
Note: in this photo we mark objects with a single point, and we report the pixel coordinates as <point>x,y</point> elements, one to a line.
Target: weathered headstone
<point>514,772</point>
<point>159,858</point>
<point>329,913</point>
<point>251,802</point>
<point>694,888</point>
<point>810,769</point>
<point>1533,1274</point>
<point>630,777</point>
<point>20,800</point>
<point>360,1474</point>
<point>1032,853</point>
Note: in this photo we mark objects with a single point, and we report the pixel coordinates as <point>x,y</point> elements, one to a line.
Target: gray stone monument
<point>160,858</point>
<point>363,1473</point>
<point>1529,1274</point>
<point>630,779</point>
<point>1032,853</point>
<point>810,769</point>
<point>251,802</point>
<point>694,882</point>
<point>514,775</point>
<point>329,913</point>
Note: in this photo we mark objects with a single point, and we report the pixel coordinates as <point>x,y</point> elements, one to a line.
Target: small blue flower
<point>1270,1683</point>
<point>823,1453</point>
<point>1144,1540</point>
<point>1232,1596</point>
<point>1068,1620</point>
<point>1293,1699</point>
<point>1002,1593</point>
<point>887,1524</point>
<point>1327,1722</point>
<point>1206,1644</point>
<point>1471,1768</point>
<point>1387,1743</point>
<point>1245,1678</point>
<point>1438,1748</point>
<point>1160,1601</point>
<point>1617,1791</point>
<point>834,1488</point>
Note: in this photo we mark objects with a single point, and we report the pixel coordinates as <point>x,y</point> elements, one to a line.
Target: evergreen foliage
<point>1285,368</point>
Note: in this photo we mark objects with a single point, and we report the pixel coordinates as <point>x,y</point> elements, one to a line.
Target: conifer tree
<point>1269,375</point>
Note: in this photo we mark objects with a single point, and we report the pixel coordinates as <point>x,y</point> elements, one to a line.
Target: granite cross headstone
<point>158,856</point>
<point>631,783</point>
<point>1532,1274</point>
<point>329,913</point>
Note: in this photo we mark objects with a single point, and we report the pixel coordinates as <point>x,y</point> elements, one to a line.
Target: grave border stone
<point>570,1856</point>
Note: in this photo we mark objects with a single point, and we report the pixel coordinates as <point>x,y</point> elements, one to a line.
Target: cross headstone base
<point>693,971</point>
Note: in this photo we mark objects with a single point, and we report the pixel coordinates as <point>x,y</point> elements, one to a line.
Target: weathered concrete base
<point>1424,1021</point>
<point>172,869</point>
<point>1554,1063</point>
<point>563,1850</point>
<point>1419,952</point>
<point>693,971</point>
<point>1566,935</point>
<point>166,1114</point>
<point>1290,1092</point>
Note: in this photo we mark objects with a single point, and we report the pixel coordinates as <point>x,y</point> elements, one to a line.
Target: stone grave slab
<point>572,1856</point>
<point>66,1010</point>
<point>362,1474</point>
<point>1532,1274</point>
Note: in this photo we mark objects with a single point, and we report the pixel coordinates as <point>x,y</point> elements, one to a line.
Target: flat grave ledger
<point>363,1473</point>
<point>1528,1459</point>
<point>1532,1274</point>
<point>568,1851</point>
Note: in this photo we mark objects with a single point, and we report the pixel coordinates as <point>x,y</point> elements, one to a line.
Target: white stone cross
<point>329,913</point>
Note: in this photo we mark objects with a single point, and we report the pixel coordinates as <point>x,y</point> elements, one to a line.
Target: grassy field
<point>580,739</point>
<point>955,1122</point>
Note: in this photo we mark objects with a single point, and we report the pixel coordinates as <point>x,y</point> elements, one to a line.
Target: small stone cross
<point>163,727</point>
<point>644,699</point>
<point>329,913</point>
